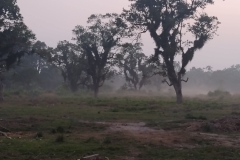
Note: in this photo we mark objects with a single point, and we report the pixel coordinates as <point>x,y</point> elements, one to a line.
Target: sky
<point>53,20</point>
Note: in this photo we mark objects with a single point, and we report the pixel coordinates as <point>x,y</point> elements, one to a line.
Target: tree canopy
<point>170,24</point>
<point>99,42</point>
<point>15,37</point>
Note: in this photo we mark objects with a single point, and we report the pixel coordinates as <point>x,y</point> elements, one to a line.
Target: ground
<point>120,128</point>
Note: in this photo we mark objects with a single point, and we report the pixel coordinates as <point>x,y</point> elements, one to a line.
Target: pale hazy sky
<point>53,20</point>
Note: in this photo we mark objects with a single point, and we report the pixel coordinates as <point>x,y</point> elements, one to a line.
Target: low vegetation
<point>54,127</point>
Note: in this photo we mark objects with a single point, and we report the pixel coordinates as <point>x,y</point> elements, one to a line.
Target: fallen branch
<point>92,156</point>
<point>5,134</point>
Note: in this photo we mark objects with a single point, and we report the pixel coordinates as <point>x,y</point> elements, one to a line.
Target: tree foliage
<point>72,63</point>
<point>15,37</point>
<point>99,42</point>
<point>135,65</point>
<point>170,23</point>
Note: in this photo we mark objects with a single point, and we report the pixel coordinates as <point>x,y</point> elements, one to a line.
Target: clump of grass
<point>90,139</point>
<point>53,131</point>
<point>60,129</point>
<point>114,110</point>
<point>190,116</point>
<point>60,139</point>
<point>206,127</point>
<point>107,140</point>
<point>39,135</point>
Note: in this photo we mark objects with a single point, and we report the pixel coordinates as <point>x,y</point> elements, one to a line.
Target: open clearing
<point>120,128</point>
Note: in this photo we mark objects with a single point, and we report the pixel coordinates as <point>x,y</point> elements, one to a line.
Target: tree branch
<point>167,82</point>
<point>185,80</point>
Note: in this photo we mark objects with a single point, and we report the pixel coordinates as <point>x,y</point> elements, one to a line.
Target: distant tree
<point>33,72</point>
<point>135,66</point>
<point>72,63</point>
<point>15,37</point>
<point>99,42</point>
<point>170,23</point>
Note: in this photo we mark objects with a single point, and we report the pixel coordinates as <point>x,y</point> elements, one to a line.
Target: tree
<point>99,42</point>
<point>170,24</point>
<point>15,37</point>
<point>135,66</point>
<point>72,63</point>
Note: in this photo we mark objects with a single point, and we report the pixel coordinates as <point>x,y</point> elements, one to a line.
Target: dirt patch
<point>227,124</point>
<point>131,127</point>
<point>22,124</point>
<point>179,138</point>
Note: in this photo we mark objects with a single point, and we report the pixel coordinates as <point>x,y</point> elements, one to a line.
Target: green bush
<point>218,93</point>
<point>60,139</point>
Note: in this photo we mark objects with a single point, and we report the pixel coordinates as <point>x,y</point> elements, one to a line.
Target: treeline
<point>109,46</point>
<point>37,74</point>
<point>205,79</point>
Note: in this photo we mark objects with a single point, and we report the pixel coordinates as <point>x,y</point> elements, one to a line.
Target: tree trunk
<point>1,92</point>
<point>176,81</point>
<point>73,87</point>
<point>96,90</point>
<point>178,90</point>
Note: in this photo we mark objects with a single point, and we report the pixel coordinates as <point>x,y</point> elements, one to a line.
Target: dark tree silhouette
<point>72,63</point>
<point>170,22</point>
<point>99,42</point>
<point>15,37</point>
<point>135,66</point>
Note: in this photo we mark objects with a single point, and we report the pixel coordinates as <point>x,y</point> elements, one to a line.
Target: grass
<point>52,127</point>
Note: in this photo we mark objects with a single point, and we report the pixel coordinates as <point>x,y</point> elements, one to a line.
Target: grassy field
<point>131,128</point>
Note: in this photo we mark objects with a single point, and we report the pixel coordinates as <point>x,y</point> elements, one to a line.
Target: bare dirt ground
<point>190,136</point>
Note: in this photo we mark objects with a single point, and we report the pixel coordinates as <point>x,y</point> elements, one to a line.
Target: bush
<point>39,135</point>
<point>60,129</point>
<point>60,139</point>
<point>218,93</point>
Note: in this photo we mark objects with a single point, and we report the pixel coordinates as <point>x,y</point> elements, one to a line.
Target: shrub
<point>60,129</point>
<point>60,139</point>
<point>39,135</point>
<point>218,93</point>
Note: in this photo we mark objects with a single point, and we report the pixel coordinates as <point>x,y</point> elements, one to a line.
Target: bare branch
<point>185,80</point>
<point>167,82</point>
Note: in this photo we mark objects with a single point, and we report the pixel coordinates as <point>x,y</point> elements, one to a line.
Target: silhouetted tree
<point>99,42</point>
<point>170,22</point>
<point>135,66</point>
<point>15,37</point>
<point>72,63</point>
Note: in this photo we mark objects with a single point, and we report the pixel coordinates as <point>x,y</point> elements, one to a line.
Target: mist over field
<point>119,80</point>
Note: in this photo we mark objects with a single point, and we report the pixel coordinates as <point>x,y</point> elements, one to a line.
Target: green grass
<point>50,120</point>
